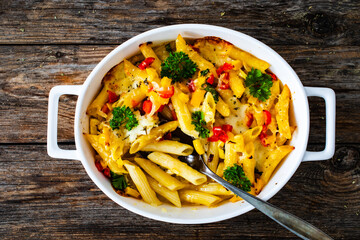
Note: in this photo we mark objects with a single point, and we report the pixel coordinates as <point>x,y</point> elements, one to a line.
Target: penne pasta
<point>168,146</point>
<point>214,188</point>
<point>162,177</point>
<point>223,108</point>
<point>236,84</point>
<point>183,115</point>
<point>142,184</point>
<point>170,195</point>
<point>249,59</point>
<point>230,155</point>
<point>282,113</point>
<point>220,169</point>
<point>198,197</point>
<point>209,108</point>
<point>181,46</point>
<point>147,51</point>
<point>154,135</point>
<point>178,167</point>
<point>213,156</point>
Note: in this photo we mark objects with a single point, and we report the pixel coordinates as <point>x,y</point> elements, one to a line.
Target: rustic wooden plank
<point>28,73</point>
<point>313,22</point>
<point>44,198</point>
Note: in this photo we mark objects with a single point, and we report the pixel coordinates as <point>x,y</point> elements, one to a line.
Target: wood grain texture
<point>44,198</point>
<point>29,72</point>
<point>112,22</point>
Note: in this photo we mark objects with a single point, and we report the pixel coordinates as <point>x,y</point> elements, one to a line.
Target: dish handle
<point>330,101</point>
<point>52,144</point>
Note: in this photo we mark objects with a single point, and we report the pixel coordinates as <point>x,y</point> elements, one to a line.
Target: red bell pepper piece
<point>217,130</point>
<point>210,80</point>
<point>191,86</point>
<point>99,166</point>
<point>227,127</point>
<point>213,138</point>
<point>250,118</point>
<point>167,93</point>
<point>146,63</point>
<point>263,136</point>
<point>147,106</point>
<point>107,172</point>
<point>224,81</point>
<point>223,137</point>
<point>219,134</point>
<point>267,117</point>
<point>112,96</point>
<point>105,109</point>
<point>223,68</point>
<point>273,76</point>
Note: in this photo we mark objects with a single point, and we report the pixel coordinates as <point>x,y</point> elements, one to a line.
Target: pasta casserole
<point>230,103</point>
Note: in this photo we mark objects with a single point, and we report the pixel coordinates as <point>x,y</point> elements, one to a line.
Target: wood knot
<point>346,158</point>
<point>59,54</point>
<point>321,24</point>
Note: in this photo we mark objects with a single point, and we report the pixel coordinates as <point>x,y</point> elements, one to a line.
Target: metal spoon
<point>294,224</point>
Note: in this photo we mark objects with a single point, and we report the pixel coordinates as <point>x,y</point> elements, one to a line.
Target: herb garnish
<point>204,72</point>
<point>259,84</point>
<point>168,48</point>
<point>212,90</point>
<point>178,66</point>
<point>236,176</point>
<point>121,116</point>
<point>118,181</point>
<point>199,121</point>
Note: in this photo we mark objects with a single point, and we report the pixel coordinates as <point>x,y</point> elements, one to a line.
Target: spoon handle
<point>294,224</point>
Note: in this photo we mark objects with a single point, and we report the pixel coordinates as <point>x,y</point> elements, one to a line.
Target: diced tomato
<point>223,68</point>
<point>210,80</point>
<point>173,114</point>
<point>224,81</point>
<point>227,127</point>
<point>167,93</point>
<point>146,63</point>
<point>112,96</point>
<point>267,117</point>
<point>250,118</point>
<point>147,106</point>
<point>161,108</point>
<point>191,86</point>
<point>213,138</point>
<point>273,76</point>
<point>99,166</point>
<point>105,109</point>
<point>107,172</point>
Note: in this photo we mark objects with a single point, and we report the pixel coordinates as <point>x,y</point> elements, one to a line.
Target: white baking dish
<point>189,215</point>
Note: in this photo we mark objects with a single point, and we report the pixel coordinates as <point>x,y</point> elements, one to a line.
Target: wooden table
<point>49,43</point>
